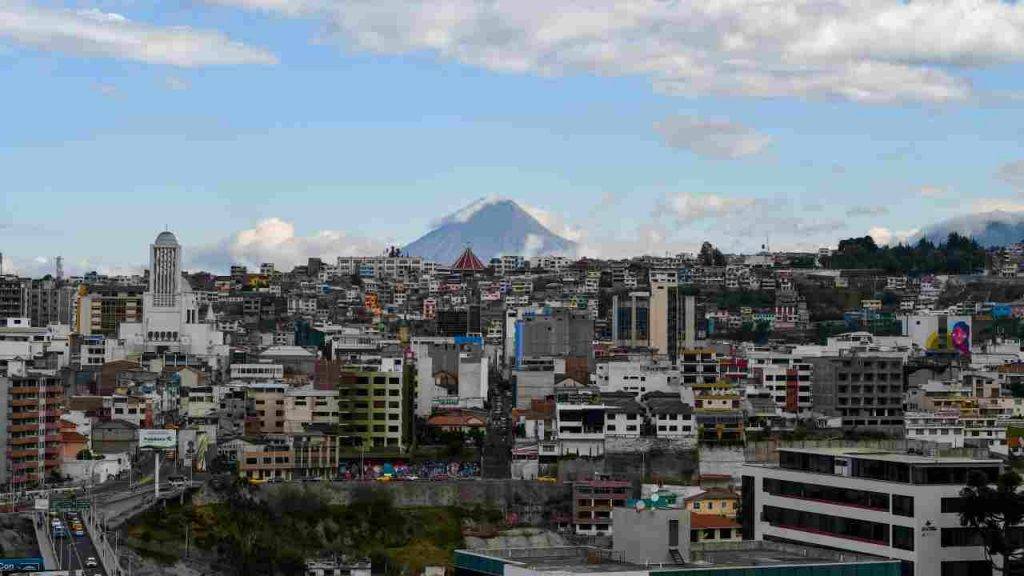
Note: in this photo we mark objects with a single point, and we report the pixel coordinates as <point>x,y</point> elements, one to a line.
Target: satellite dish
<point>640,505</point>
<point>654,497</point>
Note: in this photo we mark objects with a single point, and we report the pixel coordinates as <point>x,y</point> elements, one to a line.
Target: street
<point>72,551</point>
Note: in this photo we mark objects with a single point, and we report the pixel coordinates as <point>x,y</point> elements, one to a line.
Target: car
<point>91,562</point>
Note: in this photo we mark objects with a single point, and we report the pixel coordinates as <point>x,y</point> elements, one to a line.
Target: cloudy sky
<point>276,129</point>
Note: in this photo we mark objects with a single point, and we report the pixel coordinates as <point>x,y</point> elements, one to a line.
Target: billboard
<point>160,439</point>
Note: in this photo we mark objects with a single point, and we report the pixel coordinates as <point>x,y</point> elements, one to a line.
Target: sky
<point>274,130</point>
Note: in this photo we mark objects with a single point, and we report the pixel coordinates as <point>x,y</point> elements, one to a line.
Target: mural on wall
<point>940,333</point>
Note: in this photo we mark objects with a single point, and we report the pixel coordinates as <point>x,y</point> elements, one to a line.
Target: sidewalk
<point>42,528</point>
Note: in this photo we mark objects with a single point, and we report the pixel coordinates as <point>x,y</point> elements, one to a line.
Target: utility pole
<point>156,474</point>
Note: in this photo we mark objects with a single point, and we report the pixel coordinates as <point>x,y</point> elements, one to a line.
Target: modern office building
<point>893,505</point>
<point>630,319</point>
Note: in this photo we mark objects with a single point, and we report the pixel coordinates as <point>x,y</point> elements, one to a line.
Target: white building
<point>170,310</point>
<point>892,505</point>
<point>636,376</point>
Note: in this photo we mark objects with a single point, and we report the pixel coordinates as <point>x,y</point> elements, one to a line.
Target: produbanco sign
<point>157,438</point>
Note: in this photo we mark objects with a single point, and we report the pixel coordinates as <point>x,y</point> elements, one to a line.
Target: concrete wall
<point>654,464</point>
<point>532,502</point>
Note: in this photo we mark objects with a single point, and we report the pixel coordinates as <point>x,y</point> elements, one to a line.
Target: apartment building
<point>698,366</point>
<point>593,502</point>
<point>263,461</point>
<point>30,408</point>
<point>636,376</point>
<point>669,416</point>
<point>100,310</point>
<point>372,404</point>
<point>266,403</point>
<point>892,505</point>
<point>13,297</point>
<point>306,405</point>
<point>786,376</point>
<point>580,422</point>
<point>624,416</point>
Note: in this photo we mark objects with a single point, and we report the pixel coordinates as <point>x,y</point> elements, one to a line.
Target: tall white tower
<point>165,270</point>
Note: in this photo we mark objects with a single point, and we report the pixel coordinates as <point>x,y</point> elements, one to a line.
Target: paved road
<point>74,551</point>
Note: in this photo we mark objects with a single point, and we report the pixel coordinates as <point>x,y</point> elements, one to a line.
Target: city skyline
<point>314,128</point>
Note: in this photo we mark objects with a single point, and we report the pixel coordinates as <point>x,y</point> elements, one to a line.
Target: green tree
<point>994,514</point>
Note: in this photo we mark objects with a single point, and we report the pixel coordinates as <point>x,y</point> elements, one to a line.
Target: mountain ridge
<point>990,229</point>
<point>490,227</point>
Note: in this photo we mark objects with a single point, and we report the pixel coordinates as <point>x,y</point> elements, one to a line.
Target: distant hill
<point>989,229</point>
<point>491,227</point>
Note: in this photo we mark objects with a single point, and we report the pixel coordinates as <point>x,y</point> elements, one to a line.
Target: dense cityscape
<point>690,413</point>
<point>512,288</point>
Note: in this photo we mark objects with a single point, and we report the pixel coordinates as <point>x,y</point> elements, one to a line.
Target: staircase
<point>676,556</point>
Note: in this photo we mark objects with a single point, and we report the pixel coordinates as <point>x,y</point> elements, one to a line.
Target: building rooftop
<point>887,456</point>
<point>589,560</point>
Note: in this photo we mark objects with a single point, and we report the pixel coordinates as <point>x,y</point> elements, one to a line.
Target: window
<point>903,505</point>
<point>952,505</point>
<point>832,494</point>
<point>966,568</point>
<point>958,537</point>
<point>673,533</point>
<point>903,538</point>
<point>862,530</point>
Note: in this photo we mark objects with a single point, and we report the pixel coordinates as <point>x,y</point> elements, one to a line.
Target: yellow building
<point>714,501</point>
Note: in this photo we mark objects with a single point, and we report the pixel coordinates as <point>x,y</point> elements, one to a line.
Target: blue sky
<point>264,129</point>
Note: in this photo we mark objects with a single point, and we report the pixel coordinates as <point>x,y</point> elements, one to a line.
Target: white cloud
<point>714,138</point>
<point>929,191</point>
<point>861,50</point>
<point>274,240</point>
<point>553,222</point>
<point>93,33</point>
<point>983,205</point>
<point>1012,173</point>
<point>688,206</point>
<point>885,237</point>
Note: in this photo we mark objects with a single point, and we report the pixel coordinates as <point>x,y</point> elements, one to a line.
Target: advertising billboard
<point>160,439</point>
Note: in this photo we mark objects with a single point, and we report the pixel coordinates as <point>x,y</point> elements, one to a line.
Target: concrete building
<point>13,297</point>
<point>636,376</point>
<point>864,389</point>
<point>890,505</point>
<point>551,332</point>
<point>372,405</point>
<point>580,423</point>
<point>49,301</point>
<point>645,534</point>
<point>669,416</point>
<point>100,310</point>
<point>593,502</point>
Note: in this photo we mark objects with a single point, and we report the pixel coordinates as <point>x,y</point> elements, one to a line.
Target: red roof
<point>468,262</point>
<point>703,521</point>
<point>452,420</point>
